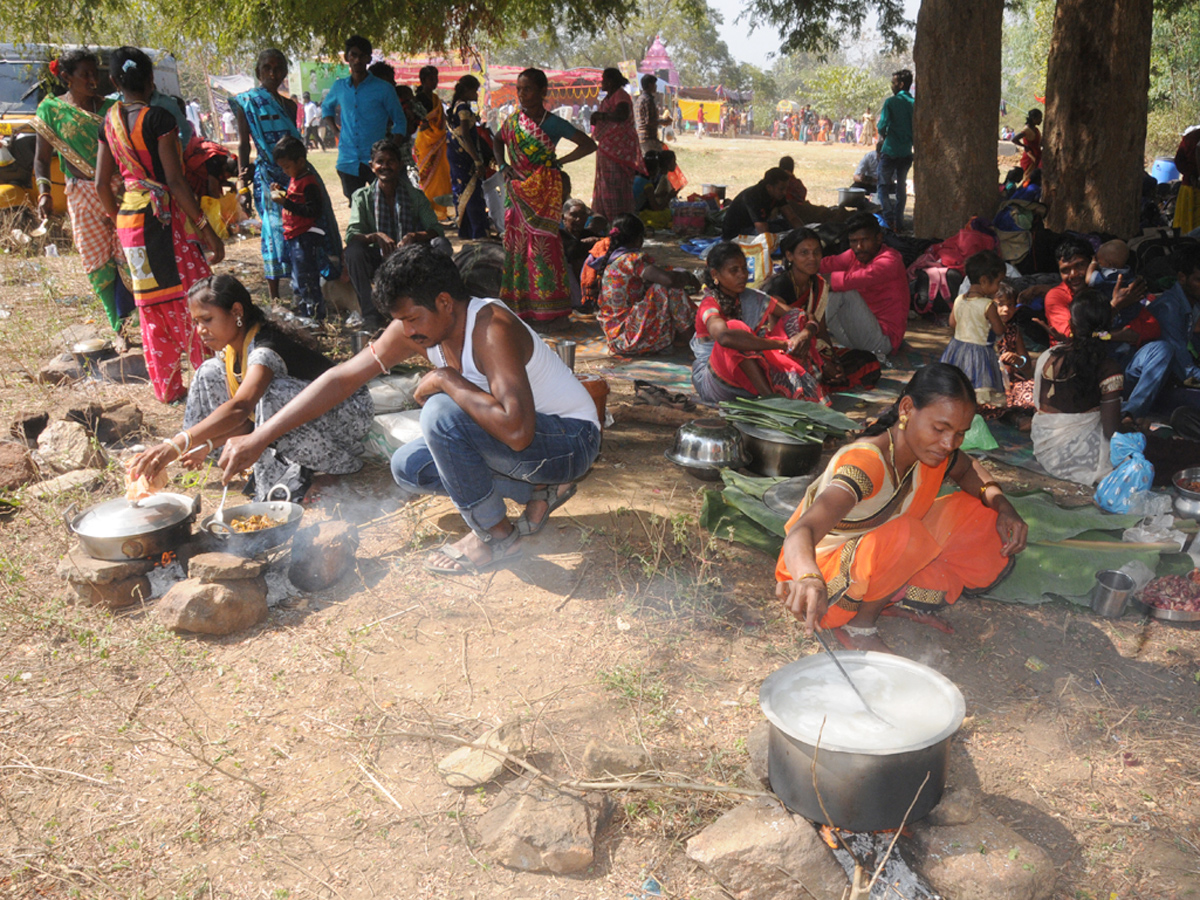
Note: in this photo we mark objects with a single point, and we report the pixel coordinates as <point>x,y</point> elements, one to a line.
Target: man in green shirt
<point>384,215</point>
<point>896,149</point>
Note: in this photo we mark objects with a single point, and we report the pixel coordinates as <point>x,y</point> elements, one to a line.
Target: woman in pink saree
<point>618,152</point>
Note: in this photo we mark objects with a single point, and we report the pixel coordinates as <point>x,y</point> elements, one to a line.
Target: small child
<point>973,315</point>
<point>303,215</point>
<point>1110,264</point>
<point>1014,358</point>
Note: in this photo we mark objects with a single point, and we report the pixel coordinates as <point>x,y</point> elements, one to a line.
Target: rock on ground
<point>757,745</point>
<point>63,369</point>
<point>16,467</point>
<point>959,807</point>
<point>128,368</point>
<point>67,446</point>
<point>542,831</point>
<point>80,479</point>
<point>192,606</point>
<point>760,850</point>
<point>212,567</point>
<point>984,858</point>
<point>115,594</point>
<point>601,760</point>
<point>79,568</point>
<point>468,767</point>
<point>322,555</point>
<point>27,426</point>
<point>117,422</point>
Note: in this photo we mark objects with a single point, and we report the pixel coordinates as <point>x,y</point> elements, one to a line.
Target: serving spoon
<point>217,517</point>
<point>817,631</point>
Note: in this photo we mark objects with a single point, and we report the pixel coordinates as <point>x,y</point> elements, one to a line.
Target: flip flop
<point>464,565</point>
<point>553,499</point>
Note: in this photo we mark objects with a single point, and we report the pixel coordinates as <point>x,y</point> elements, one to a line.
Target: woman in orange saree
<point>534,281</point>
<point>872,534</point>
<point>429,145</point>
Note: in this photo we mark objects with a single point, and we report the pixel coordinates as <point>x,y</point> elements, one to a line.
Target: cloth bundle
<point>1132,474</point>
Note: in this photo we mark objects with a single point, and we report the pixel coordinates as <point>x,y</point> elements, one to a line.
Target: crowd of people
<point>502,416</point>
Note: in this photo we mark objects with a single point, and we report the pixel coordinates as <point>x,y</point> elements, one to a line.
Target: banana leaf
<point>750,484</point>
<point>1050,522</point>
<point>1048,570</point>
<point>729,523</point>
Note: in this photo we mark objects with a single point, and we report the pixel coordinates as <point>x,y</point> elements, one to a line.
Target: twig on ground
<point>462,804</point>
<point>466,672</point>
<point>578,581</point>
<point>896,836</point>
<point>44,769</point>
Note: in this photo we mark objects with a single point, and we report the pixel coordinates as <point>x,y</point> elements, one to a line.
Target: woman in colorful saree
<point>467,166</point>
<point>264,116</point>
<point>70,126</point>
<point>159,220</point>
<point>429,144</point>
<point>534,282</point>
<point>618,152</point>
<point>740,345</point>
<point>871,535</point>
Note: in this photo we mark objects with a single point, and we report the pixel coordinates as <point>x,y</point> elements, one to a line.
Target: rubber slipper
<point>553,499</point>
<point>464,565</point>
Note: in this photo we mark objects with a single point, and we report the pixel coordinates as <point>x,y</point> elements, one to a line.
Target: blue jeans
<point>893,183</point>
<point>1148,371</point>
<point>307,252</point>
<point>456,457</point>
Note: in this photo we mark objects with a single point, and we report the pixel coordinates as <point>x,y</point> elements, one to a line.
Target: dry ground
<point>298,759</point>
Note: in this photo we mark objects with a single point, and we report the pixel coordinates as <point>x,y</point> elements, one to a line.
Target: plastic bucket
<point>1111,593</point>
<point>1164,170</point>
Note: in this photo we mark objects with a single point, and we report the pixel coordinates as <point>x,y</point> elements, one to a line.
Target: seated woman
<point>261,367</point>
<point>1077,393</point>
<point>873,533</point>
<point>642,308</point>
<point>734,355</point>
<point>801,287</point>
<point>653,191</point>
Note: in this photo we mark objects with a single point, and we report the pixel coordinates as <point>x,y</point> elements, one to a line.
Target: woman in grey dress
<point>260,365</point>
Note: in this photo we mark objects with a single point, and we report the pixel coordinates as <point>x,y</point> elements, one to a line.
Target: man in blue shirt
<point>896,149</point>
<point>368,105</point>
<point>1178,312</point>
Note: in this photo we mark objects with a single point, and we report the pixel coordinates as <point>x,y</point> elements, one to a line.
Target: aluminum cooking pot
<point>777,455</point>
<point>283,512</point>
<point>1187,502</point>
<point>118,529</point>
<point>861,789</point>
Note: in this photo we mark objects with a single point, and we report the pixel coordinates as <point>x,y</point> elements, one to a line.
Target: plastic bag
<point>979,437</point>
<point>1155,530</point>
<point>758,251</point>
<point>1132,473</point>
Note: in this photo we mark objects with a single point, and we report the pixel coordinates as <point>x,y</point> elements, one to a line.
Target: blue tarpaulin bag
<point>1132,474</point>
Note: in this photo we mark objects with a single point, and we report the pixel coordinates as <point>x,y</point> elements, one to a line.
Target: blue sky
<point>747,45</point>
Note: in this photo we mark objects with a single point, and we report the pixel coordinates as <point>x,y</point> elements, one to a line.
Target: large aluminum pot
<point>120,530</point>
<point>774,454</point>
<point>285,514</point>
<point>861,788</point>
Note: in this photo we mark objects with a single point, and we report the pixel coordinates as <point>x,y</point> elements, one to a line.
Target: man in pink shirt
<point>868,291</point>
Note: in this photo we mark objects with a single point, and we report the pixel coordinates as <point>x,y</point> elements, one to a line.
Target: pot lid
<point>784,498</point>
<point>768,434</point>
<point>810,700</point>
<point>120,518</point>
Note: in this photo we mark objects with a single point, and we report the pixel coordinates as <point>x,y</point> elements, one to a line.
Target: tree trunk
<point>956,123</point>
<point>1097,89</point>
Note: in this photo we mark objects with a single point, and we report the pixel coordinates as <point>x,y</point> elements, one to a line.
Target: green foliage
<point>1023,63</point>
<point>819,25</point>
<point>1174,79</point>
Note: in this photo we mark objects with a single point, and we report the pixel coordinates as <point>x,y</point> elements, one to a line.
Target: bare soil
<point>298,759</point>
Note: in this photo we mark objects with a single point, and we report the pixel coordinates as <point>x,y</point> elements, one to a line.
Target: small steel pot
<point>90,352</point>
<point>703,447</point>
<point>776,455</point>
<point>1187,502</point>
<point>252,543</point>
<point>120,530</point>
<point>859,790</point>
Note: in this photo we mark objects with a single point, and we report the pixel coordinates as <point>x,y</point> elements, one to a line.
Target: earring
<point>239,321</point>
<point>903,422</point>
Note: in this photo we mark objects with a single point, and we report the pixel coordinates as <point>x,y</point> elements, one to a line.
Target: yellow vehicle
<point>25,80</point>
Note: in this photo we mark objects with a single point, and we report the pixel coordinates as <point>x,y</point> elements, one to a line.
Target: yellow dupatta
<point>231,372</point>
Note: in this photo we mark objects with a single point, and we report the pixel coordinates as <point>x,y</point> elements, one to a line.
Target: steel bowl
<point>703,447</point>
<point>1187,502</point>
<point>776,455</point>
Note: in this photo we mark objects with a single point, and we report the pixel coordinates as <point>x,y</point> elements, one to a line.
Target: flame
<point>168,557</point>
<point>828,837</point>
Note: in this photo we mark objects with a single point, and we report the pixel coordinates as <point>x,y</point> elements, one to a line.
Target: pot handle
<point>219,529</point>
<point>68,515</point>
<point>196,506</point>
<point>287,493</point>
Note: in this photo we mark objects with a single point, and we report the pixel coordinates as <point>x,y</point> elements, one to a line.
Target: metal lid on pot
<point>784,498</point>
<point>120,518</point>
<point>768,434</point>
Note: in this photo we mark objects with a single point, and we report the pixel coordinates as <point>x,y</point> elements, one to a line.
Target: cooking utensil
<point>784,498</point>
<point>283,512</point>
<point>1111,592</point>
<point>118,530</point>
<point>217,514</point>
<point>850,196</point>
<point>1187,502</point>
<point>89,352</point>
<point>775,454</point>
<point>1167,615</point>
<point>863,787</point>
<point>850,681</point>
<point>566,352</point>
<point>705,446</point>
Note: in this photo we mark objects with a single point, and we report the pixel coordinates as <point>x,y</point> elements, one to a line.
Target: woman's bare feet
<point>861,639</point>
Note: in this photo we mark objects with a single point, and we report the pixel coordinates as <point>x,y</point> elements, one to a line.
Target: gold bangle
<point>983,489</point>
<point>808,575</point>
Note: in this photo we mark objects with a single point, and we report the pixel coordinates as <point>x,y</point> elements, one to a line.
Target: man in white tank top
<point>502,416</point>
